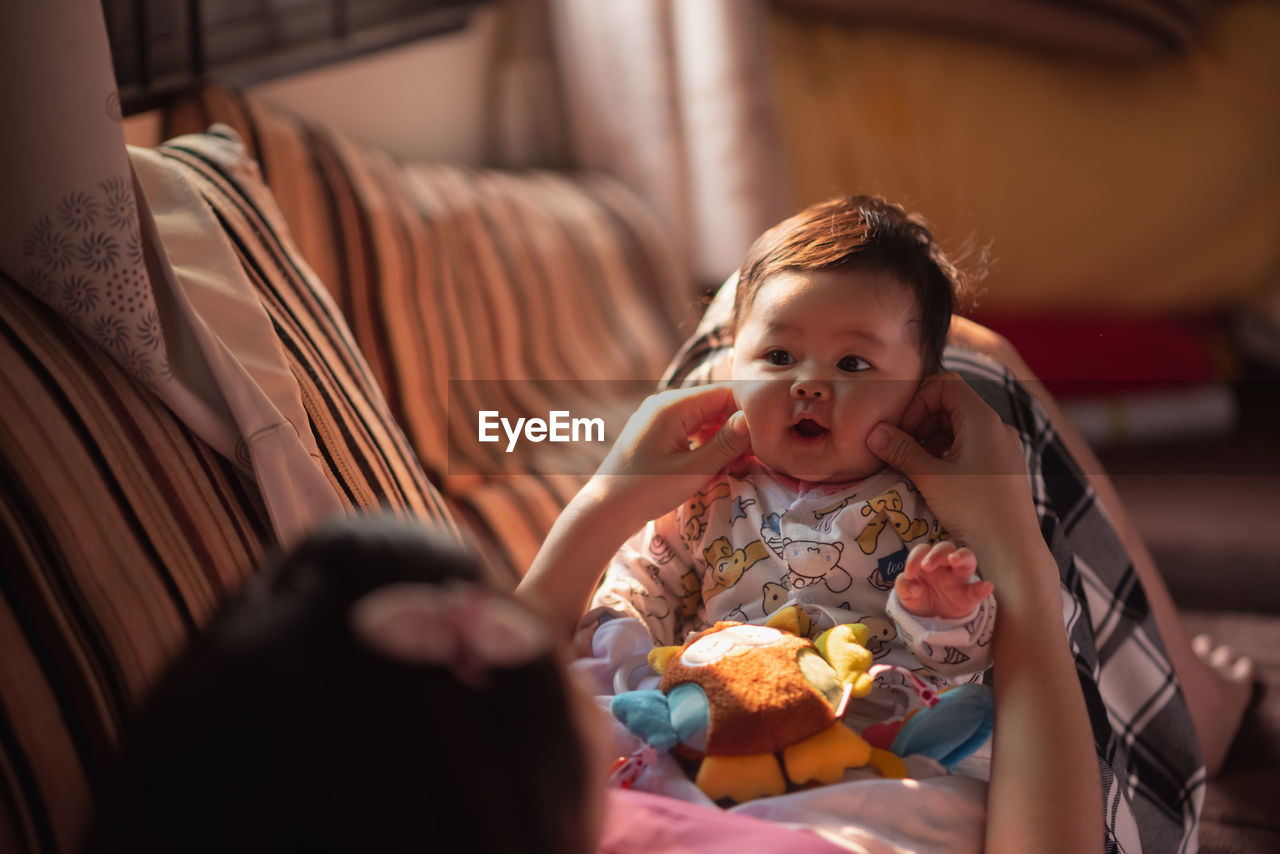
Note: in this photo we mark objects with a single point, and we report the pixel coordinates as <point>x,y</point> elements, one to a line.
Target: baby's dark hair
<point>860,233</point>
<point>280,730</point>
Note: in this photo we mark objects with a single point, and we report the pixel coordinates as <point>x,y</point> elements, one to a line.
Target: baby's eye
<point>779,357</point>
<point>852,364</point>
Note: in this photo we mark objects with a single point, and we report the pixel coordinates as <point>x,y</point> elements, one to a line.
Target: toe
<point>1221,658</point>
<point>1241,670</point>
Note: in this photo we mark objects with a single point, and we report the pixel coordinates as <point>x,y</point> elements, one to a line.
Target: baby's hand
<point>937,581</point>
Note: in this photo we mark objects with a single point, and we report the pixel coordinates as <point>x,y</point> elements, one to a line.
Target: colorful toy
<point>947,725</point>
<point>758,707</point>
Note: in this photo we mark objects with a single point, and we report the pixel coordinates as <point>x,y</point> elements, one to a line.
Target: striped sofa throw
<point>120,531</point>
<point>474,288</point>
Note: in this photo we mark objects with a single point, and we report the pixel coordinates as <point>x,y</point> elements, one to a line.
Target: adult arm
<point>1045,792</point>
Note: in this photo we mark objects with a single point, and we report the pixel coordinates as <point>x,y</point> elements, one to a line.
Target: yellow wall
<point>1156,186</point>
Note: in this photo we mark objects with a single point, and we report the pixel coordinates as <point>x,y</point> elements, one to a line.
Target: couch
<point>402,294</point>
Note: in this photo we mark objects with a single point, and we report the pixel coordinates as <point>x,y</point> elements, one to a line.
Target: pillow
<point>705,355</point>
<point>122,531</point>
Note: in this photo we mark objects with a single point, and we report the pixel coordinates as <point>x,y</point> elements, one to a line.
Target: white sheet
<point>933,812</point>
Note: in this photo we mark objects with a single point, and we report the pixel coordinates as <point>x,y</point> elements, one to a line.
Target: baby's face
<point>818,360</point>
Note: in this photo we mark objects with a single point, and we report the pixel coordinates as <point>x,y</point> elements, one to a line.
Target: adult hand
<point>670,447</point>
<point>1044,787</point>
<point>966,462</point>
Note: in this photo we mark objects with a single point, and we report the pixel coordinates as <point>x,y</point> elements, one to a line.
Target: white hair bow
<point>460,625</point>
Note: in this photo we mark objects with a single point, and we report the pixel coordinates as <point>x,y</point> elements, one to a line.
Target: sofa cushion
<point>532,283</point>
<point>122,531</point>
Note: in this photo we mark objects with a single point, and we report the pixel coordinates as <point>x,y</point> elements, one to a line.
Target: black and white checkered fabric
<point>1153,776</point>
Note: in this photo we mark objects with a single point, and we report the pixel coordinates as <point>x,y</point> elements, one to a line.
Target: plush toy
<point>947,725</point>
<point>758,707</point>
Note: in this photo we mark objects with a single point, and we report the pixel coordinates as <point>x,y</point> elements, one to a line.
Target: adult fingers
<point>672,417</point>
<point>943,401</point>
<point>925,407</point>
<point>729,442</point>
<point>901,451</point>
<point>697,406</point>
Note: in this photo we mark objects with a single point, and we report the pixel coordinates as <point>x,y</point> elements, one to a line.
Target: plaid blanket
<point>1153,776</point>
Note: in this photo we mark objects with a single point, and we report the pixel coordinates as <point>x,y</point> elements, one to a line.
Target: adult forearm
<point>1045,793</point>
<point>576,552</point>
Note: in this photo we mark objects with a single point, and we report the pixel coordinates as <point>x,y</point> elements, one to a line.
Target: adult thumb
<point>729,442</point>
<point>900,450</point>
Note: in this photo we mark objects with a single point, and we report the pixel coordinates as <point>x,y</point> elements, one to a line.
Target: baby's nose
<point>811,389</point>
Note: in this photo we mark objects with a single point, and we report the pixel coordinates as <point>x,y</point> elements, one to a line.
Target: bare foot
<point>1218,699</point>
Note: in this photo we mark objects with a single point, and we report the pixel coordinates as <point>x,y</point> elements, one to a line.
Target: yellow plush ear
<point>791,619</point>
<point>844,647</point>
<point>660,657</point>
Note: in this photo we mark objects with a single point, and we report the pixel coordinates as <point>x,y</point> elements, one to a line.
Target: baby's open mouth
<point>808,428</point>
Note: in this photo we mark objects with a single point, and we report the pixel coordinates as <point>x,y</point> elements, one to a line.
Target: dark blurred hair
<point>279,731</point>
<point>860,233</point>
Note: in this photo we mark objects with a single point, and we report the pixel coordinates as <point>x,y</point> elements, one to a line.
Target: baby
<point>840,312</point>
<point>859,272</point>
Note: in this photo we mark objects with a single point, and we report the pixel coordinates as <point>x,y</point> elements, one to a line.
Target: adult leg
<point>1217,683</point>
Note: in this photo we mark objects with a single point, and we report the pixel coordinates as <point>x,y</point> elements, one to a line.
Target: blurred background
<point>1112,163</point>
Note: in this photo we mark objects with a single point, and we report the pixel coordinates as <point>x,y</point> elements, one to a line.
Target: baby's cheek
<point>742,392</point>
<point>753,403</point>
